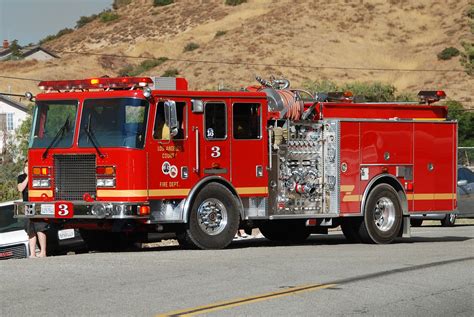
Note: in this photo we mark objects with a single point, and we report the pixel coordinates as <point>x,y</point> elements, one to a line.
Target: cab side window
<point>215,120</point>
<point>246,121</point>
<point>161,131</point>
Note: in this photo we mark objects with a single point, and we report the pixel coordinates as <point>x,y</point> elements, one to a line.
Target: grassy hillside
<point>269,37</point>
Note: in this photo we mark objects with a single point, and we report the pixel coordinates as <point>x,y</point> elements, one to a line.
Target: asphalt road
<point>430,274</point>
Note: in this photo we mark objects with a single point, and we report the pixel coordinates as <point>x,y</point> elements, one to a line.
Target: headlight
<point>105,182</point>
<point>41,183</point>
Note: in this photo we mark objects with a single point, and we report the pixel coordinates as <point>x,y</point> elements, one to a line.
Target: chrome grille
<point>13,252</point>
<point>74,176</point>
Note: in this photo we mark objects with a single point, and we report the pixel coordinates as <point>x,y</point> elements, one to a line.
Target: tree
<point>465,119</point>
<point>15,48</point>
<point>16,147</point>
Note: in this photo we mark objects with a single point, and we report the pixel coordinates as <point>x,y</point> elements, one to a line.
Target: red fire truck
<point>135,155</point>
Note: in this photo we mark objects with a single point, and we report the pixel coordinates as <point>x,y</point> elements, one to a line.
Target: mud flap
<point>405,230</point>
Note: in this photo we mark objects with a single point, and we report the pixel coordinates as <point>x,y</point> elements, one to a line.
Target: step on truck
<point>132,156</point>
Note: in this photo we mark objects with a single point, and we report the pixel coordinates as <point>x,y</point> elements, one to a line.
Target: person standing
<point>34,229</point>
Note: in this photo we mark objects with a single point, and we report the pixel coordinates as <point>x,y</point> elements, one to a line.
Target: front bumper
<point>81,210</point>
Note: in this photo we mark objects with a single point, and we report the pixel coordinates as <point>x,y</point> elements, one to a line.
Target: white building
<point>35,52</point>
<point>12,114</point>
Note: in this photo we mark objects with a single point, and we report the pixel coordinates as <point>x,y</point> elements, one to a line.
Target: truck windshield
<point>118,122</point>
<point>48,119</point>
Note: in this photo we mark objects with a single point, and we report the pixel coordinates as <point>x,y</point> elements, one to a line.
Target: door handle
<point>196,168</point>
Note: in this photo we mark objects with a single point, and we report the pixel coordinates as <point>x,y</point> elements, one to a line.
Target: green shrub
<point>171,72</point>
<point>84,20</point>
<point>467,58</point>
<point>367,91</point>
<point>191,47</point>
<point>59,34</point>
<point>108,16</point>
<point>448,53</point>
<point>234,2</point>
<point>120,3</point>
<point>470,12</point>
<point>126,71</point>
<point>148,64</point>
<point>456,111</point>
<point>220,33</point>
<point>320,86</point>
<point>372,91</point>
<point>162,3</point>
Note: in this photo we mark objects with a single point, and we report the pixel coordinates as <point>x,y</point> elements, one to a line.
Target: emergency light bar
<point>428,96</point>
<point>96,83</point>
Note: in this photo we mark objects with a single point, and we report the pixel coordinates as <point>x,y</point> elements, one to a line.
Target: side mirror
<point>171,118</point>
<point>462,182</point>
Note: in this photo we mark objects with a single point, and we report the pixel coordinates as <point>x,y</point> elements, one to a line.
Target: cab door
<point>213,157</point>
<point>248,153</point>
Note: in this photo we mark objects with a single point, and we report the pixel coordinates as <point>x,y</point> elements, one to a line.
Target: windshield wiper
<point>59,135</point>
<point>91,135</point>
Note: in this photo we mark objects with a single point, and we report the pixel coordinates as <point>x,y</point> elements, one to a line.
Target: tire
<point>350,229</point>
<point>382,216</point>
<point>213,221</point>
<point>286,230</point>
<point>415,222</point>
<point>449,220</point>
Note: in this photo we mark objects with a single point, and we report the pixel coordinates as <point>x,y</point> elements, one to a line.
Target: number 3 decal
<point>216,151</point>
<point>63,210</point>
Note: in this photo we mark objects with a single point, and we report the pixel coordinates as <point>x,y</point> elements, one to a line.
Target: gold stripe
<point>252,190</point>
<point>246,300</point>
<point>432,196</point>
<point>444,196</point>
<point>351,198</point>
<point>122,193</point>
<point>169,192</point>
<point>38,193</point>
<point>429,119</point>
<point>347,188</point>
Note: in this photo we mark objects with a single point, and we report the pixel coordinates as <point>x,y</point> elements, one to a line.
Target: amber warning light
<point>96,83</point>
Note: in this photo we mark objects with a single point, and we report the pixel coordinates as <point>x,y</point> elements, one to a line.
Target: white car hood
<point>13,237</point>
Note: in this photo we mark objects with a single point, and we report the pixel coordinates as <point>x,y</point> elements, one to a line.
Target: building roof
<point>13,103</point>
<point>26,51</point>
<point>29,50</point>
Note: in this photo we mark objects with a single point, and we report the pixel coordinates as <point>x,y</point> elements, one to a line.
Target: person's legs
<point>42,243</point>
<point>32,242</point>
<point>30,229</point>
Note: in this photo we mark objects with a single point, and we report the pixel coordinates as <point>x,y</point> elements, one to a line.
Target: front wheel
<point>382,216</point>
<point>449,220</point>
<point>214,219</point>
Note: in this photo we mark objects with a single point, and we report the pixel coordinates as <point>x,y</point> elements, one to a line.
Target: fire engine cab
<point>133,155</point>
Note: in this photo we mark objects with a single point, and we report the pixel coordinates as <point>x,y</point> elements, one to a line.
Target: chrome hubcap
<point>212,216</point>
<point>384,214</point>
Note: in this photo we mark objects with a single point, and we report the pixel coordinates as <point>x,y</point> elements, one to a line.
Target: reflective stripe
<point>433,196</point>
<point>38,192</point>
<point>252,190</point>
<point>122,193</point>
<point>169,192</point>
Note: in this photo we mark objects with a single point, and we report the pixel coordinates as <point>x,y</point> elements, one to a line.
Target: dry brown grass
<point>350,33</point>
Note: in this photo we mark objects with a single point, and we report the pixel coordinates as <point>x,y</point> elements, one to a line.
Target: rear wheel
<point>213,221</point>
<point>382,216</point>
<point>449,220</point>
<point>415,222</point>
